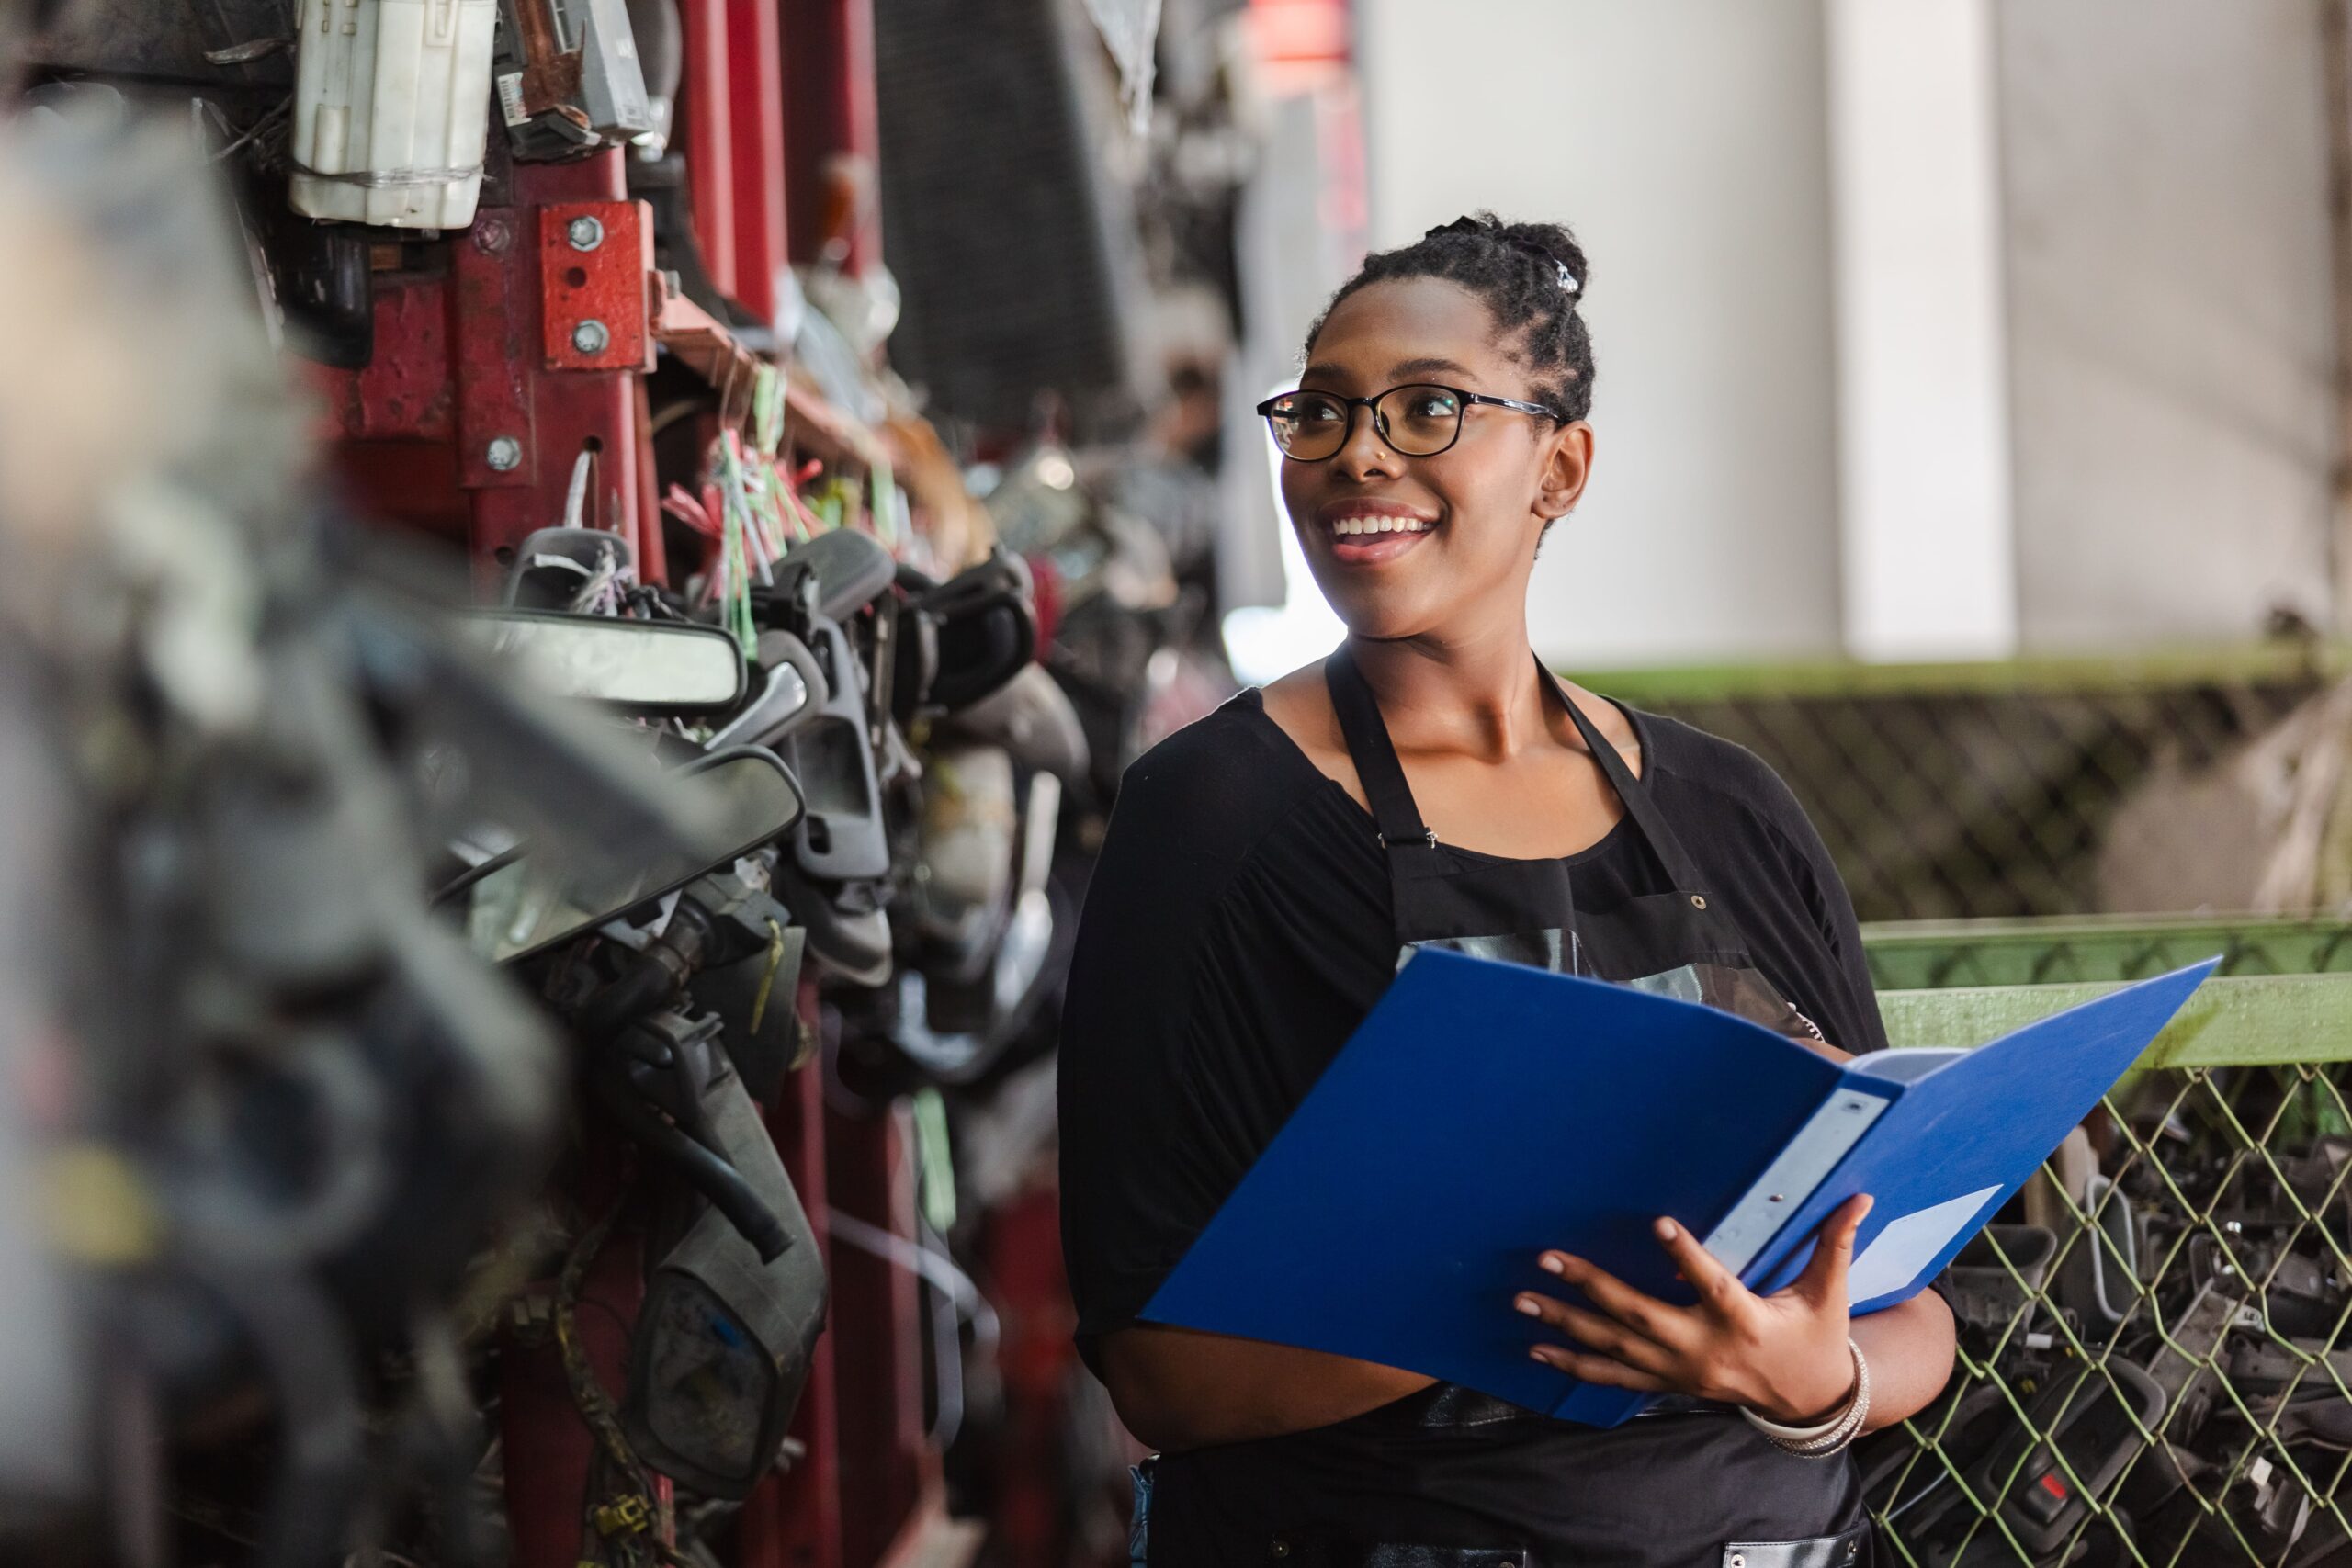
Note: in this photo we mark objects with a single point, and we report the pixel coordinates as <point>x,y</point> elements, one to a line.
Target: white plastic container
<point>391,110</point>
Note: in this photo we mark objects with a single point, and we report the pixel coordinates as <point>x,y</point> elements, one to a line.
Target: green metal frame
<point>2284,993</point>
<point>1921,955</point>
<point>2233,664</point>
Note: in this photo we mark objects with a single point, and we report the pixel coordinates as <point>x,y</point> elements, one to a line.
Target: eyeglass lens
<point>1419,422</point>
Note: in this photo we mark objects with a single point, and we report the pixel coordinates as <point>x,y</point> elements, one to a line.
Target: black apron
<point>1449,1476</point>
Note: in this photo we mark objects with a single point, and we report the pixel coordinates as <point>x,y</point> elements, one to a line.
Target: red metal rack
<point>506,356</point>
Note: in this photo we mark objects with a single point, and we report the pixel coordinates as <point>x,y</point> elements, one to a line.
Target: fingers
<point>1696,1264</point>
<point>1598,1334</point>
<point>1823,1279</point>
<point>1587,1368</point>
<point>1645,1315</point>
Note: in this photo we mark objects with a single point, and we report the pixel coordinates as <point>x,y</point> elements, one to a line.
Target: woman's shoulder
<point>1225,778</point>
<point>1721,772</point>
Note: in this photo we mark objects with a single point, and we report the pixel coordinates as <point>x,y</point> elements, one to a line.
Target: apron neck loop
<point>1680,869</point>
<point>1391,797</point>
<point>1377,769</point>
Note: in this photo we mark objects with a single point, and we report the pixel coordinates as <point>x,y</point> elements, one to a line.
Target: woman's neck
<point>1478,694</point>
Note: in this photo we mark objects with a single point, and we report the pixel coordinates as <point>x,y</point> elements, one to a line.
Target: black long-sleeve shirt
<point>1238,927</point>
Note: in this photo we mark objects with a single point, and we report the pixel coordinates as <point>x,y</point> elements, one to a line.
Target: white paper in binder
<point>391,110</point>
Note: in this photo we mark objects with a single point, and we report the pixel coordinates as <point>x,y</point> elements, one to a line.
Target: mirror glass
<point>533,904</point>
<point>646,666</point>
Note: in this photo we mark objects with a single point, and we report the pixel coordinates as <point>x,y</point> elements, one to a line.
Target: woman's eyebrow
<point>1400,373</point>
<point>1424,366</point>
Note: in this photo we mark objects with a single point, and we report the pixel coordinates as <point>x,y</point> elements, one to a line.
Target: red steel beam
<point>887,1460</point>
<point>547,1446</point>
<point>861,128</point>
<point>709,136</point>
<point>460,424</point>
<point>793,1520</point>
<point>755,67</point>
<point>833,135</point>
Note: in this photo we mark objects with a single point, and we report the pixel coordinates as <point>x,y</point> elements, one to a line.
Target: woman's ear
<point>1567,464</point>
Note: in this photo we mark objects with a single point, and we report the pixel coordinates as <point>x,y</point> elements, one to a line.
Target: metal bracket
<point>595,272</point>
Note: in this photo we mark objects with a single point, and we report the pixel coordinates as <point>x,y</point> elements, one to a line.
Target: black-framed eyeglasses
<point>1417,420</point>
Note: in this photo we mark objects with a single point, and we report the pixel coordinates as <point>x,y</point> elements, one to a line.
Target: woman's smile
<point>1370,532</point>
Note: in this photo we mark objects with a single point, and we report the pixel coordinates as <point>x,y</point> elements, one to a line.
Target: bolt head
<point>592,337</point>
<point>505,454</point>
<point>584,232</point>
<point>493,235</point>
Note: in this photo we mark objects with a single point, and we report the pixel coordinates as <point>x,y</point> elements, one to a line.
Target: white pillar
<point>1929,557</point>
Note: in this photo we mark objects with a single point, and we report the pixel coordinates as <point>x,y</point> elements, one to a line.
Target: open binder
<point>1484,1112</point>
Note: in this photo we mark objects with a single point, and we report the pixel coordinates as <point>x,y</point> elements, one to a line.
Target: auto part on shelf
<point>569,77</point>
<point>723,1344</point>
<point>391,110</point>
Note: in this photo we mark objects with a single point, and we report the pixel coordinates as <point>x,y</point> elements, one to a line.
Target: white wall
<point>2169,316</point>
<point>1925,328</point>
<point>1291,256</point>
<point>1922,397</point>
<point>1686,142</point>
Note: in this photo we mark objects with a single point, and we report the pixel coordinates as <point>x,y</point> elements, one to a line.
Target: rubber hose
<point>645,985</point>
<point>709,1175</point>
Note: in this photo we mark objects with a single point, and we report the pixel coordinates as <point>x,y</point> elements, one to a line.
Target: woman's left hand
<point>1782,1356</point>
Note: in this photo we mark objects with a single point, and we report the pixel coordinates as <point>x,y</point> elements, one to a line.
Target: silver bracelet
<point>1826,1437</point>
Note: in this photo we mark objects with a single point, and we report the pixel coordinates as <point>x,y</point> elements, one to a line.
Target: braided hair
<point>1531,277</point>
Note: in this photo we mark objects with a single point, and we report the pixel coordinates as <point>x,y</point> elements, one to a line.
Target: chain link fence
<point>2155,1360</point>
<point>2037,788</point>
<point>2156,1357</point>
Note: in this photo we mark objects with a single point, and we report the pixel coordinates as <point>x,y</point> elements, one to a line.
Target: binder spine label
<point>1804,1163</point>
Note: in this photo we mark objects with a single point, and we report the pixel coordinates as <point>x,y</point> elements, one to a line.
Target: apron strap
<point>1680,870</point>
<point>1391,797</point>
<point>1382,775</point>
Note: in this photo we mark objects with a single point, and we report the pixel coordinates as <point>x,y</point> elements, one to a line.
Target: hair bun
<point>1543,240</point>
<point>1482,224</point>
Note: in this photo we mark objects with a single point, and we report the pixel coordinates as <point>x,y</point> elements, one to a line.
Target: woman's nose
<point>1363,452</point>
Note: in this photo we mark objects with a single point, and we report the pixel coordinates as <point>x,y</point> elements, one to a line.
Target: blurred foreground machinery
<point>269,1111</point>
<point>629,1131</point>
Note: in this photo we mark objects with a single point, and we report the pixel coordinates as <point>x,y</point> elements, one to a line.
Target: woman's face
<point>1459,529</point>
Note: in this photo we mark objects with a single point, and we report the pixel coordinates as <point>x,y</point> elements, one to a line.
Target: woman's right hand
<point>1179,1389</point>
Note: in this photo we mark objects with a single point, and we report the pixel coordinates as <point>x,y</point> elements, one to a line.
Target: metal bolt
<point>592,337</point>
<point>585,233</point>
<point>493,235</point>
<point>505,454</point>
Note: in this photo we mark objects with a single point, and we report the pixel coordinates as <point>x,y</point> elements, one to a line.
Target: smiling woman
<point>1432,784</point>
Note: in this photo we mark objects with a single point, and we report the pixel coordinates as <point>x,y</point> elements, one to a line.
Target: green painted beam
<point>1921,955</point>
<point>2230,665</point>
<point>2235,1021</point>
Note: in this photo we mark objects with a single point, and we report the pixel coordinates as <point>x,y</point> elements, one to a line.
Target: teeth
<point>1350,527</point>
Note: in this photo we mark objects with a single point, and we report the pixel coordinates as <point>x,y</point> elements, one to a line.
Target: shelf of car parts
<point>704,345</point>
